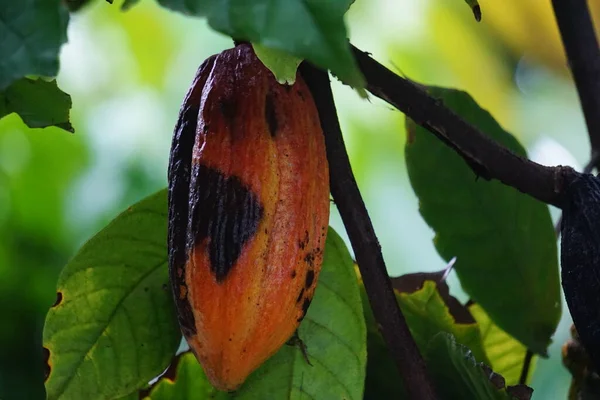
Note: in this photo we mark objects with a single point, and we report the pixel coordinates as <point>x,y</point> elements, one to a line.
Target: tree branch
<point>366,247</point>
<point>579,39</point>
<point>486,157</point>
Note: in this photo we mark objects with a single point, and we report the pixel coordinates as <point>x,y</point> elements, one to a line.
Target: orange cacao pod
<point>248,213</point>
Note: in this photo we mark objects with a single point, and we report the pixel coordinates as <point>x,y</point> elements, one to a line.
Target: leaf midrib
<point>65,384</point>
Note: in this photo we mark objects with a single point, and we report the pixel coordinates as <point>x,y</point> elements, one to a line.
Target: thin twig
<point>344,189</point>
<point>526,366</point>
<point>579,39</point>
<point>486,157</point>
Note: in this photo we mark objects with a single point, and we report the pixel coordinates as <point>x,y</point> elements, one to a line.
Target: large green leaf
<point>113,327</point>
<point>458,375</point>
<point>335,337</point>
<point>38,103</point>
<point>307,29</point>
<point>506,354</point>
<point>184,379</point>
<point>427,314</point>
<point>504,239</point>
<point>31,33</point>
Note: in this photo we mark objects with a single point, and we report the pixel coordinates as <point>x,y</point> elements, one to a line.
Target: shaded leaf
<point>127,4</point>
<point>503,239</point>
<point>475,8</point>
<point>427,315</point>
<point>506,354</point>
<point>38,102</point>
<point>335,337</point>
<point>31,34</point>
<point>311,30</point>
<point>457,375</point>
<point>280,63</point>
<point>113,327</point>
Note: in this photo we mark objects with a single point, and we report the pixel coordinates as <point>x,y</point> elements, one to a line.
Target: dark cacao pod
<point>580,259</point>
<point>248,213</point>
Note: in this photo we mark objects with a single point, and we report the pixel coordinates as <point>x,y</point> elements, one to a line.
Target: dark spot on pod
<point>303,242</point>
<point>305,306</point>
<point>309,259</point>
<point>58,300</point>
<point>293,274</point>
<point>300,94</point>
<point>227,108</point>
<point>180,163</point>
<point>47,367</point>
<point>182,291</point>
<point>300,295</point>
<point>225,213</point>
<point>271,115</point>
<point>310,277</point>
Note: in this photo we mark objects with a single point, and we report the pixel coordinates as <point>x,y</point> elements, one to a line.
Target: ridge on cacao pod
<point>248,213</point>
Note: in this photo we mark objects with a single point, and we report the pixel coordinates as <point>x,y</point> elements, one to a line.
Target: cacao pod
<point>248,213</point>
<point>580,259</point>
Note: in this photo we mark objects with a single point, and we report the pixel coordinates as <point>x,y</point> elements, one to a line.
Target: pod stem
<point>581,46</point>
<point>348,199</point>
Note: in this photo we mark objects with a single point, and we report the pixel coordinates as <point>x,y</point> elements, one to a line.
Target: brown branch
<point>486,157</point>
<point>579,39</point>
<point>366,247</point>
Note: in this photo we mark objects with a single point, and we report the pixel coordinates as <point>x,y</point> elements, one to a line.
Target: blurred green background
<point>127,74</point>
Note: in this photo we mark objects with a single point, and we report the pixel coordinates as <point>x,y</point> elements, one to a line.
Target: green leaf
<point>335,337</point>
<point>114,327</point>
<point>427,314</point>
<point>184,379</point>
<point>457,375</point>
<point>38,102</point>
<point>127,4</point>
<point>280,63</point>
<point>307,29</point>
<point>506,354</point>
<point>31,34</point>
<point>503,239</point>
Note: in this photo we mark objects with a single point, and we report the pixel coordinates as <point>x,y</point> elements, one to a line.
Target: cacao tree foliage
<point>113,330</point>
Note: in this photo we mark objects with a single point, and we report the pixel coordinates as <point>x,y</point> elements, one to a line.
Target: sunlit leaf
<point>312,30</point>
<point>31,33</point>
<point>38,103</point>
<point>280,63</point>
<point>335,337</point>
<point>113,327</point>
<point>503,239</point>
<point>506,354</point>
